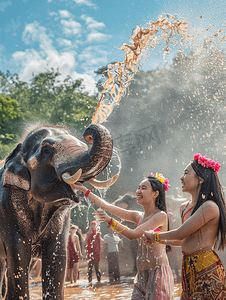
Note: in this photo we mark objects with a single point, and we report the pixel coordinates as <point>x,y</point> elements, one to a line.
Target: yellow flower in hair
<point>160,177</point>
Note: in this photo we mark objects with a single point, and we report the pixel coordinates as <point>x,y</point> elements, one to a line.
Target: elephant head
<point>50,159</point>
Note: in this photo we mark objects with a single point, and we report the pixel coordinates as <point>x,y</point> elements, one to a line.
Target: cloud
<point>4,5</point>
<point>33,32</point>
<point>89,81</point>
<point>34,62</point>
<point>65,14</point>
<point>71,27</point>
<point>2,54</point>
<point>94,36</point>
<point>93,57</point>
<point>97,37</point>
<point>64,52</point>
<point>13,26</point>
<point>91,23</point>
<point>84,2</point>
<point>52,13</point>
<point>64,42</point>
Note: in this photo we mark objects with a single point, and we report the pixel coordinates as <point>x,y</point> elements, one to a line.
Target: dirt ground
<point>104,291</point>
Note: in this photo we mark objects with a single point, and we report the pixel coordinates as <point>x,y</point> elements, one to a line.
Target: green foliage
<point>45,99</point>
<point>9,113</point>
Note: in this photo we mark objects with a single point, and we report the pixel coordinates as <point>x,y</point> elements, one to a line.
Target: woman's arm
<point>157,220</point>
<point>129,215</point>
<point>206,212</point>
<point>77,243</point>
<point>81,235</point>
<point>174,243</point>
<point>86,237</point>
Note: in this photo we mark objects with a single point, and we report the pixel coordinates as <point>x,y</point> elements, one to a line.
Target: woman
<point>154,279</point>
<point>203,228</point>
<point>74,254</point>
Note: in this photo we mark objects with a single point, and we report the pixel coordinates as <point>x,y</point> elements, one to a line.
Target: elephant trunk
<point>90,163</point>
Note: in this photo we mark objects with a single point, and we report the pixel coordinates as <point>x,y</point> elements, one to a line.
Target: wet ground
<point>103,291</point>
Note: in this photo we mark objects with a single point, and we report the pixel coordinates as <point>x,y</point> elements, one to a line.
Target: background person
<point>74,254</point>
<point>111,241</point>
<point>93,242</point>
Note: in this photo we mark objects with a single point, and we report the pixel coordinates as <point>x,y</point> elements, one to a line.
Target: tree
<point>46,99</point>
<point>9,113</point>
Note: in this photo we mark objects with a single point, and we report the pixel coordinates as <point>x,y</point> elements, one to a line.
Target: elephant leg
<point>18,259</point>
<point>3,280</point>
<point>54,260</point>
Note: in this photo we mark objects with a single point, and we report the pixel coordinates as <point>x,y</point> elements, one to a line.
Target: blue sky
<point>79,36</point>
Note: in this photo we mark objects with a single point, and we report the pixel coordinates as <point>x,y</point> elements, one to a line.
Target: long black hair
<point>156,185</point>
<point>211,189</point>
<point>160,201</point>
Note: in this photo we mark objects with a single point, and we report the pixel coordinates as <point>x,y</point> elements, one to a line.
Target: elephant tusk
<point>103,184</point>
<point>72,178</point>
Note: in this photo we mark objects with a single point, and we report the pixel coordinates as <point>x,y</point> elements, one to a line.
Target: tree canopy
<point>44,99</point>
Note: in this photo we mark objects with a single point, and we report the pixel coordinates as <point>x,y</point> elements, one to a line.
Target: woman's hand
<point>148,237</point>
<point>101,216</point>
<point>79,186</point>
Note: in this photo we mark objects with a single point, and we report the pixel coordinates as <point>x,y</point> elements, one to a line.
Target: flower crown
<point>162,179</point>
<point>207,163</point>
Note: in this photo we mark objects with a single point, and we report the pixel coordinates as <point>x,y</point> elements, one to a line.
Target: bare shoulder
<point>161,215</point>
<point>211,206</point>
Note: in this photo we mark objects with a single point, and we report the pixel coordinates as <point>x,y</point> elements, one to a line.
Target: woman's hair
<point>211,189</point>
<point>160,187</point>
<point>160,201</point>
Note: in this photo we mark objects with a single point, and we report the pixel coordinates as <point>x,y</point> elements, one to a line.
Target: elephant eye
<point>46,150</point>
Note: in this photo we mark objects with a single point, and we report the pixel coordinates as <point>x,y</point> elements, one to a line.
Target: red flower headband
<point>162,179</point>
<point>207,163</point>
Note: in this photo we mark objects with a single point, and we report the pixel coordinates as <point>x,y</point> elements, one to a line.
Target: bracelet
<point>122,229</point>
<point>114,224</point>
<point>156,237</point>
<point>95,199</point>
<point>110,222</point>
<point>87,193</point>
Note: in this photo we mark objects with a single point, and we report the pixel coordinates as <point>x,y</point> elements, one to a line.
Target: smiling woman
<point>203,229</point>
<point>154,279</point>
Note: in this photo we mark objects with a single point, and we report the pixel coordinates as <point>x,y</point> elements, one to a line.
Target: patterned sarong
<point>154,284</point>
<point>203,276</point>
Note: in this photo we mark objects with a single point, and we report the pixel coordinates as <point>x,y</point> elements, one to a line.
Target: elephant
<point>36,198</point>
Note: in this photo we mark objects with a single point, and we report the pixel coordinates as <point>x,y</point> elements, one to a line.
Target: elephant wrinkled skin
<point>35,202</point>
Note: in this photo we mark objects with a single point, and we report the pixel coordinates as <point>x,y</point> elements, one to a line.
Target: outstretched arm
<point>158,220</point>
<point>206,212</point>
<point>124,214</point>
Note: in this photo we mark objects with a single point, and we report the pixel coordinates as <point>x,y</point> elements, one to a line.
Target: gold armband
<point>156,237</point>
<point>95,199</point>
<point>114,224</point>
<point>122,229</point>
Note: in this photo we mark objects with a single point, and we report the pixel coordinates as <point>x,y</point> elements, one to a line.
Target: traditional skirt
<point>154,284</point>
<point>203,276</point>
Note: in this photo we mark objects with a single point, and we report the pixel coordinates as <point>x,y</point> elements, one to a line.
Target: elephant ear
<point>16,174</point>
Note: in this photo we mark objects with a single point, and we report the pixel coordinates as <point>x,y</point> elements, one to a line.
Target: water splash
<point>116,79</point>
